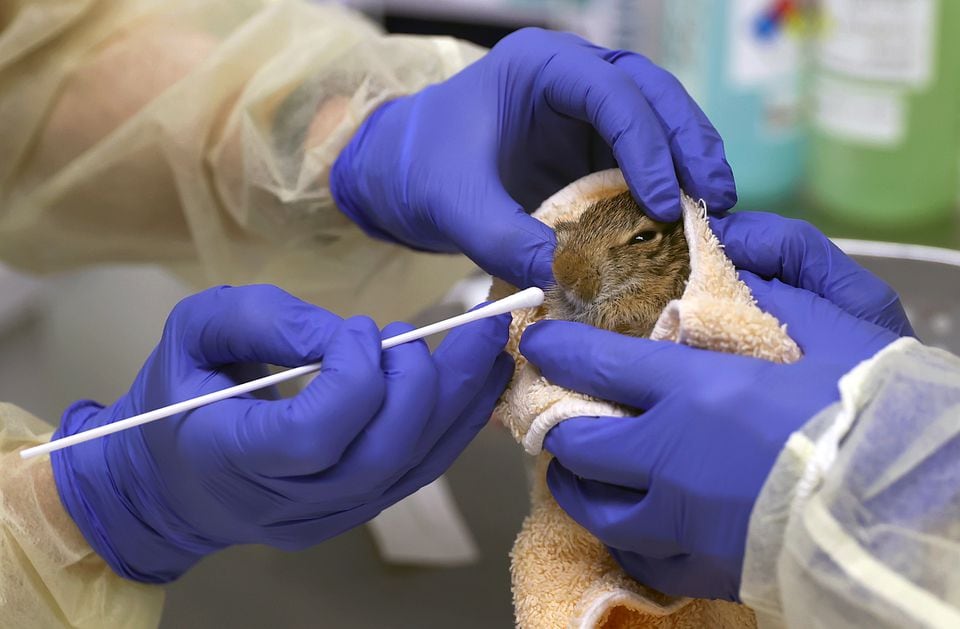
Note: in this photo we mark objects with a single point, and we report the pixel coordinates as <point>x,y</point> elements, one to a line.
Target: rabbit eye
<point>645,236</point>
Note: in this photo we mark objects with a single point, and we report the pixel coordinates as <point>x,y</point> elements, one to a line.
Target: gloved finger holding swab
<point>528,298</point>
<point>221,459</point>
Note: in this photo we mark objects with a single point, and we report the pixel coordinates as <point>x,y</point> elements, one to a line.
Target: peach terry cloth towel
<point>563,576</point>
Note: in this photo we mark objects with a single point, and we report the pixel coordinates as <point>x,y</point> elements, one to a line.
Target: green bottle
<point>886,111</point>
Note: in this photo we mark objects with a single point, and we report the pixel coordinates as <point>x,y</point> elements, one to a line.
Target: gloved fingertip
<point>562,485</point>
<point>539,268</point>
<point>501,328</point>
<point>541,335</point>
<point>657,192</point>
<point>717,196</point>
<point>664,211</point>
<point>505,362</point>
<point>361,325</point>
<point>727,201</point>
<point>551,343</point>
<point>570,438</point>
<point>712,182</point>
<point>553,442</point>
<point>541,271</point>
<point>530,339</point>
<point>364,331</point>
<point>708,177</point>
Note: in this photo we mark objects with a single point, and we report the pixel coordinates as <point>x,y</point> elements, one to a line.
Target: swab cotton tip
<point>528,298</point>
<point>524,299</point>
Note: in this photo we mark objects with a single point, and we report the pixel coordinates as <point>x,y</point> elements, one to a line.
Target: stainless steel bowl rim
<point>899,250</point>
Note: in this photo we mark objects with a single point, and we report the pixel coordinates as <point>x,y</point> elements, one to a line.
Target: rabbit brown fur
<point>616,268</point>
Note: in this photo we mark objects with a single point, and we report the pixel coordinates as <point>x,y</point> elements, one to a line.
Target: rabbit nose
<point>574,275</point>
<point>586,287</point>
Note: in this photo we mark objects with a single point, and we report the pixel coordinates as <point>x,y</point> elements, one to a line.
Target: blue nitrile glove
<point>455,166</point>
<point>370,429</point>
<point>797,253</point>
<point>670,492</point>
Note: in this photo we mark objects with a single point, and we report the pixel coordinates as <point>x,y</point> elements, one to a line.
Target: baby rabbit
<point>616,268</point>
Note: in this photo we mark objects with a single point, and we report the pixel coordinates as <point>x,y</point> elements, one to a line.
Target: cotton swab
<point>529,298</point>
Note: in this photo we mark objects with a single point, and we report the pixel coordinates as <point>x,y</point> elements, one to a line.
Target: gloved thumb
<point>816,324</point>
<point>800,255</point>
<point>494,231</point>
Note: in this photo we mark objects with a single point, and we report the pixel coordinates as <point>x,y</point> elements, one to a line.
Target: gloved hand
<point>670,492</point>
<point>370,429</point>
<point>799,254</point>
<point>456,166</point>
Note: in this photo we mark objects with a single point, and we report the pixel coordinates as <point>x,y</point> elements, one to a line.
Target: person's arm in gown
<point>198,135</point>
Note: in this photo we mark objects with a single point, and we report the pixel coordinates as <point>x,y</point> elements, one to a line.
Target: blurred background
<point>842,112</point>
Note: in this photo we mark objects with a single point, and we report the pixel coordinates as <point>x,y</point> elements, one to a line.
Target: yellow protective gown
<point>198,134</point>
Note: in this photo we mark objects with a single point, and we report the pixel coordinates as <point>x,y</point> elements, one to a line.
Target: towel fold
<point>563,576</point>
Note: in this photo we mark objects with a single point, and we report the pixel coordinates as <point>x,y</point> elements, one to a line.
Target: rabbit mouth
<point>565,303</point>
<point>574,301</point>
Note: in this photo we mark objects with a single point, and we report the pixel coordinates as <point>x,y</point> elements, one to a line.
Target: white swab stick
<point>528,298</point>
